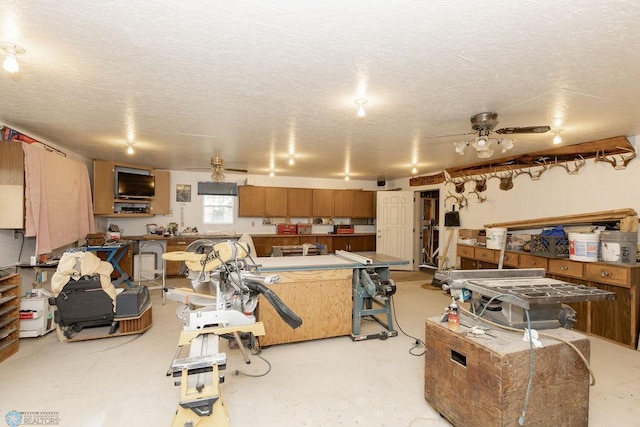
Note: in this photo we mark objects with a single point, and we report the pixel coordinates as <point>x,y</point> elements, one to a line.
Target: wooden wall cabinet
<point>300,202</point>
<point>104,202</point>
<point>364,204</point>
<point>276,202</point>
<point>11,185</point>
<point>251,201</point>
<point>280,202</point>
<point>9,315</point>
<point>323,203</point>
<point>343,203</point>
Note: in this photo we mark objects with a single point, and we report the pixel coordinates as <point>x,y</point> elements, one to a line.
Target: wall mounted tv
<point>130,185</point>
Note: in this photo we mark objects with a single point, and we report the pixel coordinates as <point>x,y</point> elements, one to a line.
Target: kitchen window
<point>218,209</point>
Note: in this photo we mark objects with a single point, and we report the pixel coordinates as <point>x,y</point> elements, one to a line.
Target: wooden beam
<point>568,153</point>
<point>586,218</point>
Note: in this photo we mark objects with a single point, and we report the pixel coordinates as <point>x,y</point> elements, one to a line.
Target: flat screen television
<point>134,186</point>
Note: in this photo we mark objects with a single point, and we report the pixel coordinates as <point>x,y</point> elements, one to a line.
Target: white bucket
<point>495,236</point>
<point>584,246</point>
<point>618,247</point>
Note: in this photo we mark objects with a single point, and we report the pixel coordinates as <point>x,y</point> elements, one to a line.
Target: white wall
<point>596,187</point>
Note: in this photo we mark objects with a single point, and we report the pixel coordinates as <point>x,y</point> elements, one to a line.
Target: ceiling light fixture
<point>346,177</point>
<point>360,103</point>
<point>484,146</point>
<point>130,149</point>
<point>272,174</point>
<point>291,161</point>
<point>414,170</point>
<point>557,139</point>
<point>10,63</point>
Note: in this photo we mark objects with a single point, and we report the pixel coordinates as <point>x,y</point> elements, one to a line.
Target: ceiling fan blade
<point>452,135</point>
<point>526,129</point>
<point>236,170</point>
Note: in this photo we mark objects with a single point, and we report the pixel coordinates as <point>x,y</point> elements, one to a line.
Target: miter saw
<point>224,295</point>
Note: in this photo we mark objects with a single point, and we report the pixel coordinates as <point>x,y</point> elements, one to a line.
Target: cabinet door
<point>363,206</point>
<point>341,243</point>
<point>275,202</point>
<point>362,243</point>
<point>300,202</point>
<point>322,203</point>
<point>326,241</point>
<point>611,319</point>
<point>11,185</point>
<point>343,203</point>
<point>172,268</point>
<point>250,201</point>
<point>262,245</point>
<point>103,183</point>
<point>161,203</point>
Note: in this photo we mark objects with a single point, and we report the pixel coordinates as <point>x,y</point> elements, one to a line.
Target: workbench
<point>319,290</point>
<point>116,254</point>
<point>482,380</point>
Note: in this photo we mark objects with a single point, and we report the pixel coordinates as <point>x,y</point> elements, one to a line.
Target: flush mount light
<point>130,149</point>
<point>346,177</point>
<point>10,63</point>
<point>360,103</point>
<point>414,170</point>
<point>291,161</point>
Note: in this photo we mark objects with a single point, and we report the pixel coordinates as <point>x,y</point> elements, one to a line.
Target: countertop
<point>237,236</point>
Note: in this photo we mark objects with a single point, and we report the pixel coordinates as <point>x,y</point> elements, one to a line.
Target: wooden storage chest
<point>483,381</point>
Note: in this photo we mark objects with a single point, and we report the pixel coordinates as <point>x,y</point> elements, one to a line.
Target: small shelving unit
<point>9,315</point>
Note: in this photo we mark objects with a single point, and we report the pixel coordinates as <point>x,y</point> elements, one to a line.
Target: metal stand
<point>372,286</point>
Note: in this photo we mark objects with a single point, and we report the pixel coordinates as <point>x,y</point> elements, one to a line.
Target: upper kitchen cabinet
<point>323,202</point>
<point>364,204</point>
<point>107,203</point>
<point>251,201</point>
<point>276,202</point>
<point>300,202</point>
<point>343,201</point>
<point>11,185</point>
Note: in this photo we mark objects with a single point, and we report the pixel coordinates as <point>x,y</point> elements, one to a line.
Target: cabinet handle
<point>532,261</point>
<point>605,274</point>
<point>564,268</point>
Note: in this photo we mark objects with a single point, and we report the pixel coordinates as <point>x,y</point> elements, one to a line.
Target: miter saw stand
<point>226,310</point>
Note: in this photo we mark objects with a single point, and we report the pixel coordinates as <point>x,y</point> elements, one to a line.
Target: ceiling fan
<point>218,168</point>
<point>483,124</point>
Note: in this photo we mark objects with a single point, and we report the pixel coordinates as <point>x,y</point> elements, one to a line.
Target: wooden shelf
<point>587,218</point>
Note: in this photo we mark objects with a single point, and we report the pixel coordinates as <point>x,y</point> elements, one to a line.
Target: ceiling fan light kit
<point>484,123</point>
<point>10,63</point>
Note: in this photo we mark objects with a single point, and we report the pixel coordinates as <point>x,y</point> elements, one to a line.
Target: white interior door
<point>394,222</point>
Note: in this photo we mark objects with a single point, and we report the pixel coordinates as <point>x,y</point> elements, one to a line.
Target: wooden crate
<point>482,381</point>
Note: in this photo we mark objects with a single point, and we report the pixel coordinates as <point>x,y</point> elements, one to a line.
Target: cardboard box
<point>467,233</point>
<point>304,228</point>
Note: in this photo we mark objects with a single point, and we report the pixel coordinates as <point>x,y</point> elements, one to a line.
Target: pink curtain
<point>58,202</point>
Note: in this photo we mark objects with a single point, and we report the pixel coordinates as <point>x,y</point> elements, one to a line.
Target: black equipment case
<point>82,303</point>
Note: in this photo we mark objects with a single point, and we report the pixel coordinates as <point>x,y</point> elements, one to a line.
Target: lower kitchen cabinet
<point>172,268</point>
<point>356,243</point>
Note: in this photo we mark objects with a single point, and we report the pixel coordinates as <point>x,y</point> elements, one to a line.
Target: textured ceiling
<point>255,80</point>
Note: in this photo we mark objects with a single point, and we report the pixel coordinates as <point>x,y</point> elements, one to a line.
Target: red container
<point>286,229</point>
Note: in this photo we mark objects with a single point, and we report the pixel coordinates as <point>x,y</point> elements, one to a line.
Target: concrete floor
<point>332,382</point>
